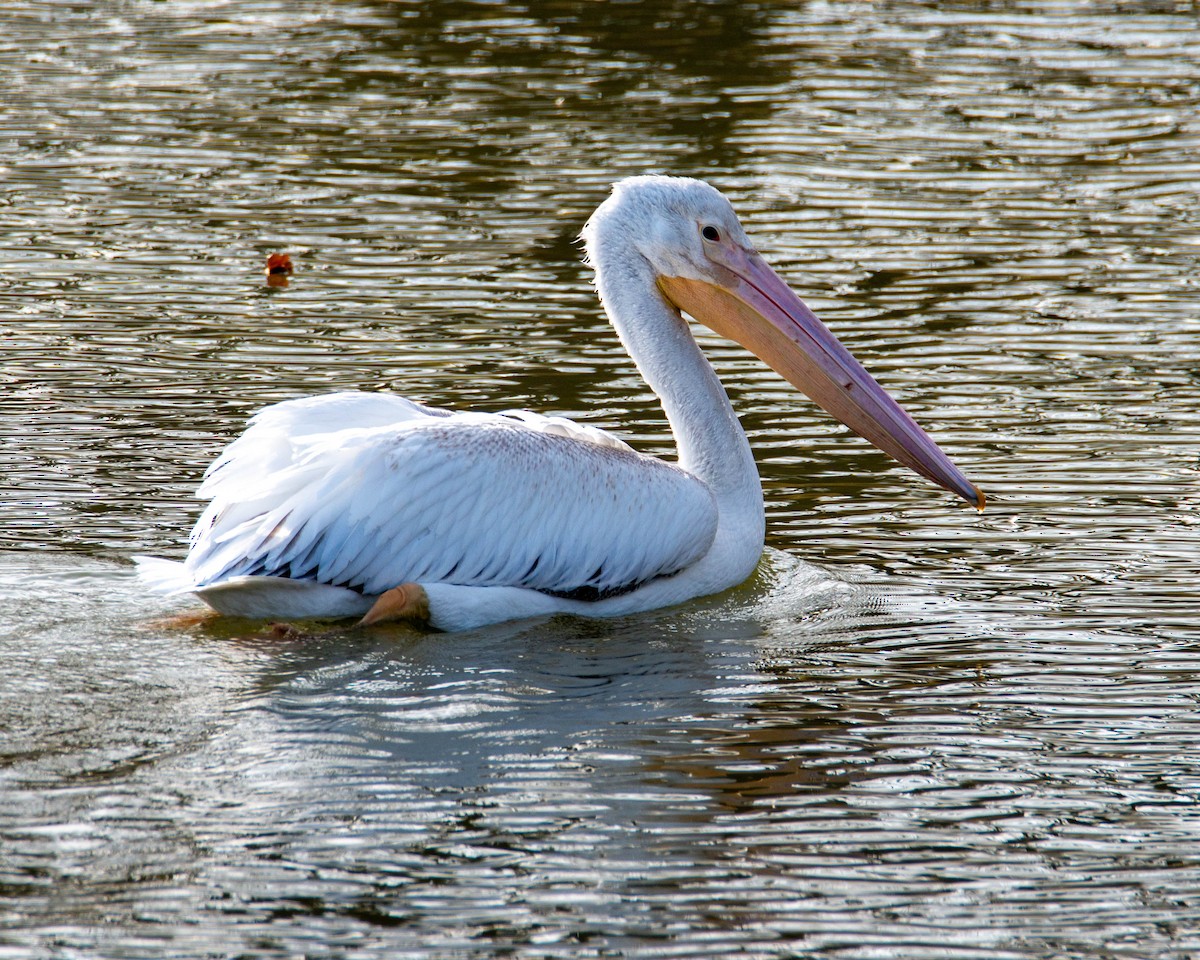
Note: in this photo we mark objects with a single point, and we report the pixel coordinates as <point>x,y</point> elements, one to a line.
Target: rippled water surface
<point>916,733</point>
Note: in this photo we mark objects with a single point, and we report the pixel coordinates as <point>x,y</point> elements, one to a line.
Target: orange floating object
<point>279,269</point>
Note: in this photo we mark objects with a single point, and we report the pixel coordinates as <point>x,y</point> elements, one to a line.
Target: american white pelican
<point>370,505</point>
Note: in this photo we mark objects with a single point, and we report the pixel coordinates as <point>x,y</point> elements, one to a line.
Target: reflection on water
<point>960,736</point>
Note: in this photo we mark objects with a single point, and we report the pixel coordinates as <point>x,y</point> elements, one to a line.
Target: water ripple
<point>960,735</point>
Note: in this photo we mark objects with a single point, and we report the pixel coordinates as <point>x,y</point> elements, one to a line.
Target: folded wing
<point>369,491</point>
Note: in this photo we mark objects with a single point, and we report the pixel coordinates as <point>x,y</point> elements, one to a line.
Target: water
<point>954,736</point>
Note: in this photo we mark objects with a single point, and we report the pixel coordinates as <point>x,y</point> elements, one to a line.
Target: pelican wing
<point>411,493</point>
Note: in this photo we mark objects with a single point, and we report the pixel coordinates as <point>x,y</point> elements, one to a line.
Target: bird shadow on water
<point>454,704</point>
<point>787,650</point>
<point>542,683</point>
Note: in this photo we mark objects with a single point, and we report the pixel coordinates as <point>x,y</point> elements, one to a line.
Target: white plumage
<point>469,498</point>
<point>326,503</point>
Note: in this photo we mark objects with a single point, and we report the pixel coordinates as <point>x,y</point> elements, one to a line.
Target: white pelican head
<point>686,233</point>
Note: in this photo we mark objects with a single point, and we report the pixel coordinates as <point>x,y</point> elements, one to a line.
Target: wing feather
<point>410,493</point>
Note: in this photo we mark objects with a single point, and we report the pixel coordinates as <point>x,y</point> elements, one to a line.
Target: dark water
<point>956,736</point>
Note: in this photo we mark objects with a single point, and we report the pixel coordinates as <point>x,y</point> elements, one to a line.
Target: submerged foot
<point>405,602</point>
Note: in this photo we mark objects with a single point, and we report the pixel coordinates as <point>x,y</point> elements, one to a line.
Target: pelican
<point>370,505</point>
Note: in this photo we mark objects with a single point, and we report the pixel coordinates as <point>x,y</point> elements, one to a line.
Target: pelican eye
<point>711,233</point>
